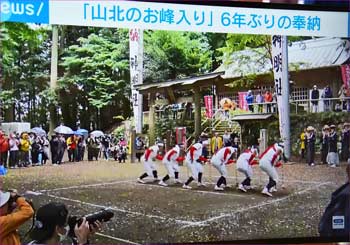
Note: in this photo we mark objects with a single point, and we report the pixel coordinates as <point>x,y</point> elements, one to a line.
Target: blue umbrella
<point>83,132</point>
<point>78,133</point>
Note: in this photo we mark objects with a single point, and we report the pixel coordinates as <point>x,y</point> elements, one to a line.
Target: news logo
<point>338,222</point>
<point>25,11</point>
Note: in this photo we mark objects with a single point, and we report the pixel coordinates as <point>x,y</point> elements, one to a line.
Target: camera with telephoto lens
<point>102,216</point>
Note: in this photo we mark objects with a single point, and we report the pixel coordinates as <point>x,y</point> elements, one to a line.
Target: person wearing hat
<point>324,143</point>
<point>269,161</point>
<point>194,158</point>
<point>51,226</point>
<point>333,157</point>
<point>315,96</point>
<point>148,160</point>
<point>345,142</point>
<point>11,220</point>
<point>310,143</point>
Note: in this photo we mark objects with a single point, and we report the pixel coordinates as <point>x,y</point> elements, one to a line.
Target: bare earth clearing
<point>148,213</point>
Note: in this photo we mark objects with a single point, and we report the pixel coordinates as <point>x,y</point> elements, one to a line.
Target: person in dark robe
<point>310,139</point>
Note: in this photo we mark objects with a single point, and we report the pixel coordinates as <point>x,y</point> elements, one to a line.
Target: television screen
<point>191,122</point>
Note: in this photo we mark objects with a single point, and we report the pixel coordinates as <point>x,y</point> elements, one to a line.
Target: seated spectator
<point>11,220</point>
<point>51,226</point>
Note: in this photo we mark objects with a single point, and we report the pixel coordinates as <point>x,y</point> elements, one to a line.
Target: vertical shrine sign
<point>279,49</point>
<point>136,70</point>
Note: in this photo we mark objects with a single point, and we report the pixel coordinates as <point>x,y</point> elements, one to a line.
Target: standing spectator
<point>227,139</point>
<point>268,99</point>
<point>342,94</point>
<point>41,150</point>
<point>13,144</point>
<point>31,141</point>
<point>140,145</point>
<point>324,144</point>
<point>72,147</point>
<point>327,94</point>
<point>250,100</point>
<point>315,96</point>
<point>4,147</point>
<point>175,108</point>
<point>235,144</point>
<point>310,142</point>
<point>54,149</point>
<point>345,142</point>
<point>91,145</point>
<point>105,147</point>
<point>216,143</point>
<point>81,148</point>
<point>333,157</point>
<point>35,147</point>
<point>24,150</point>
<point>260,100</point>
<point>302,144</point>
<point>46,149</point>
<point>62,146</point>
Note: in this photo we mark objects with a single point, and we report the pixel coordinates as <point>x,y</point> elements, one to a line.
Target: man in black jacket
<point>335,222</point>
<point>315,96</point>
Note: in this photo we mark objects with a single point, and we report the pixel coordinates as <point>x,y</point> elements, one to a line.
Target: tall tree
<point>24,70</point>
<point>96,83</point>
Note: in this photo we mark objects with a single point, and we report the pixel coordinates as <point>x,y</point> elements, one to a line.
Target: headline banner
<point>177,17</point>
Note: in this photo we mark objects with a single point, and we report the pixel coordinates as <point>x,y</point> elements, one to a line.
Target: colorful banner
<point>208,101</point>
<point>180,136</point>
<point>345,72</point>
<point>136,71</point>
<point>242,102</point>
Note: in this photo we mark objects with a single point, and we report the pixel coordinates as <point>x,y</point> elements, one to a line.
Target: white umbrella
<point>97,133</point>
<point>63,130</point>
<point>38,131</point>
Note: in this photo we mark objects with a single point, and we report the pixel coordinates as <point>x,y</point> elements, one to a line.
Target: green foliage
<point>171,55</point>
<point>25,70</point>
<point>119,131</point>
<point>6,98</point>
<point>245,82</point>
<point>50,96</point>
<point>238,42</point>
<point>96,73</point>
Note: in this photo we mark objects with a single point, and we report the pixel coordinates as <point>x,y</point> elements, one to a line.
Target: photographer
<point>52,226</point>
<point>10,221</point>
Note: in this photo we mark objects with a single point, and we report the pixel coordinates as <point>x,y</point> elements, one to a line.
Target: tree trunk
<point>53,77</point>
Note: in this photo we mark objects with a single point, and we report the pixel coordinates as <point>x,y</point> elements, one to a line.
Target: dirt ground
<point>149,213</point>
